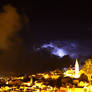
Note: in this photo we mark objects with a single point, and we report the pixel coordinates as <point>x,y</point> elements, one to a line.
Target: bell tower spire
<point>76,69</point>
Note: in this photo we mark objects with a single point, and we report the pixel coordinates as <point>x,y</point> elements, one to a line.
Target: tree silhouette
<point>87,68</point>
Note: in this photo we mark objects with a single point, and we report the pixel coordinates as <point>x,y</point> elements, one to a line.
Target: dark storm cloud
<point>13,55</point>
<point>9,25</point>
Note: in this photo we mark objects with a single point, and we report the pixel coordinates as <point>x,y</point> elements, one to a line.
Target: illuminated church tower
<point>76,69</point>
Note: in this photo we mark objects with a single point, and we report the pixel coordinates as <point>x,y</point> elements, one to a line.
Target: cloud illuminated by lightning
<point>74,49</point>
<point>55,50</point>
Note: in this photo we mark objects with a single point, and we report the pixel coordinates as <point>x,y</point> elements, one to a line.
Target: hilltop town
<point>68,79</point>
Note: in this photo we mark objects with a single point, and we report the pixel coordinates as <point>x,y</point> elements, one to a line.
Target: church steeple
<point>76,69</point>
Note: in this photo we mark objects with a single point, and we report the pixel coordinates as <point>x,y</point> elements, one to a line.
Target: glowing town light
<point>76,69</point>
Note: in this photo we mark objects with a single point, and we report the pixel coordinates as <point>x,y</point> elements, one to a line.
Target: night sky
<point>25,25</point>
<point>66,20</point>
